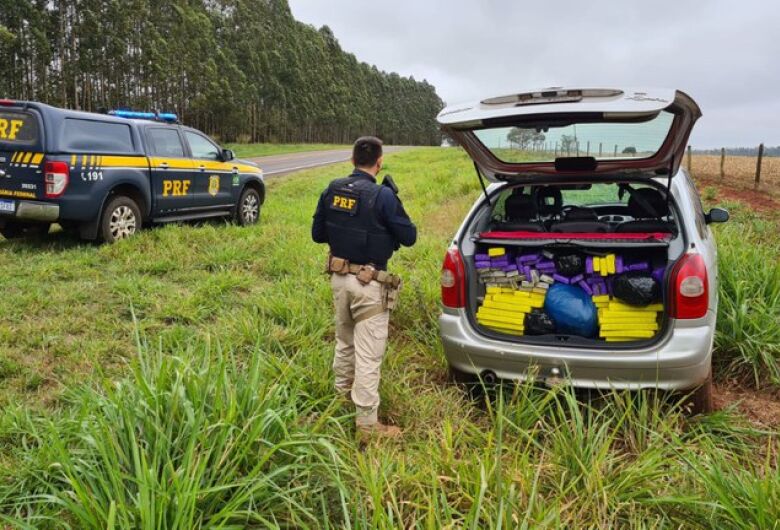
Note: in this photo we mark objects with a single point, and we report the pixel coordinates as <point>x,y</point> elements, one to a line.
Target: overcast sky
<point>725,54</point>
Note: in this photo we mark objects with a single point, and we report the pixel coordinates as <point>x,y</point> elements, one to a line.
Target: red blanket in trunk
<point>633,236</point>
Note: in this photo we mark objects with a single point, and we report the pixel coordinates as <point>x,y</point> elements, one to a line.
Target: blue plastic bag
<point>572,310</point>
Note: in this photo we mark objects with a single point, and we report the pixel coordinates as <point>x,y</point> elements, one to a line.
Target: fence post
<point>587,153</point>
<point>600,149</point>
<point>722,162</point>
<point>758,165</point>
<point>615,150</point>
<point>689,159</point>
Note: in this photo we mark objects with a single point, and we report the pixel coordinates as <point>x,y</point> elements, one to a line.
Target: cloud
<point>723,53</point>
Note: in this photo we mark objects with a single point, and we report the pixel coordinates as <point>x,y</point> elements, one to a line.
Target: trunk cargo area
<point>604,291</point>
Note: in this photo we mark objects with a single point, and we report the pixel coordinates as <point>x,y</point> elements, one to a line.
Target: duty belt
<point>365,273</point>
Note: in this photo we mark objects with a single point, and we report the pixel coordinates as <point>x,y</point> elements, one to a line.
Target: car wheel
<point>700,401</point>
<point>16,230</point>
<point>248,207</point>
<point>121,219</point>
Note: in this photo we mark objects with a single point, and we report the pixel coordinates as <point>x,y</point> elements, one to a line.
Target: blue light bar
<point>135,115</point>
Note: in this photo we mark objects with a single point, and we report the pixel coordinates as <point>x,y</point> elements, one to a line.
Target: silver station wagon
<point>588,259</point>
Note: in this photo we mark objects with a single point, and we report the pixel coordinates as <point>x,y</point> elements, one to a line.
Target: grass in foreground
<point>255,150</point>
<point>224,416</point>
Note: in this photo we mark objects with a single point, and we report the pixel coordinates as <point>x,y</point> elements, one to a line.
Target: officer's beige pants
<point>360,346</point>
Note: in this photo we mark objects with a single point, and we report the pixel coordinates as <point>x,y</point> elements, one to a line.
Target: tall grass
<point>748,333</point>
<point>195,440</point>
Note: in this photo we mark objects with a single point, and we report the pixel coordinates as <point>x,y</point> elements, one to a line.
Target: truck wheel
<point>700,401</point>
<point>121,219</point>
<point>17,230</point>
<point>248,207</point>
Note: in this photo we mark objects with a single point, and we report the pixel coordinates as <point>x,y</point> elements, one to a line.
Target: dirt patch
<point>761,407</point>
<point>757,199</point>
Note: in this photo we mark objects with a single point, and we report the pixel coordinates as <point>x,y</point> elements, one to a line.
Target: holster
<point>390,292</point>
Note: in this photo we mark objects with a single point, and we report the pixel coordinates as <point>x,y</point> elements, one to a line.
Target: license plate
<point>7,206</point>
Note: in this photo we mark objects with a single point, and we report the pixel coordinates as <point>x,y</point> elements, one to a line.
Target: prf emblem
<point>344,202</point>
<point>213,185</point>
<point>175,188</point>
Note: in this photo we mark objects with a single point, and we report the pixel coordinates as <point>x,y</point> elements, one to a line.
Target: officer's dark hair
<point>366,151</point>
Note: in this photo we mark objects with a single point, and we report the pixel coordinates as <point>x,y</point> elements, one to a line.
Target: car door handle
<point>202,168</point>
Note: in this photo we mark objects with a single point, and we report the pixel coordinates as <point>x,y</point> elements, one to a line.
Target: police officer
<point>363,223</point>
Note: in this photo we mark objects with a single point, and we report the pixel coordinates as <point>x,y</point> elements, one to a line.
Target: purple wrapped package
<point>658,274</point>
<point>545,263</point>
<point>482,264</point>
<point>589,264</point>
<point>585,287</point>
<point>562,279</point>
<point>619,264</point>
<point>577,279</point>
<point>529,258</point>
<point>510,268</point>
<point>641,266</point>
<point>499,263</point>
<point>481,257</point>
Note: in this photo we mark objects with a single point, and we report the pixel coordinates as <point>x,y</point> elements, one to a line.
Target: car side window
<point>166,142</point>
<point>201,147</point>
<point>698,208</point>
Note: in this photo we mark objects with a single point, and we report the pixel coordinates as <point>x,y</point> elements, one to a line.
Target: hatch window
<point>544,141</point>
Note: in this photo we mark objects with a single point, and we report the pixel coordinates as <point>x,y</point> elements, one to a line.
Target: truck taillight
<point>453,280</point>
<point>690,288</point>
<point>56,176</point>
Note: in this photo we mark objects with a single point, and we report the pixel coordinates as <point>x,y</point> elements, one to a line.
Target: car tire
<point>121,219</point>
<point>469,383</point>
<point>17,230</point>
<point>248,208</point>
<point>700,401</point>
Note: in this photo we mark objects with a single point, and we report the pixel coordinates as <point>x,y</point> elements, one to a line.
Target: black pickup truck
<point>105,176</point>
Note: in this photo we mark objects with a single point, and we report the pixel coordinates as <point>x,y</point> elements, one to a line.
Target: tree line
<point>241,70</point>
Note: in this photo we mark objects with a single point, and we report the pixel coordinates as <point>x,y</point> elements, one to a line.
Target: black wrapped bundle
<point>538,322</point>
<point>636,288</point>
<point>569,264</point>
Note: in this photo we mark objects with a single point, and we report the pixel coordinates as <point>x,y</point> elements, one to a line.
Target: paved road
<point>277,165</point>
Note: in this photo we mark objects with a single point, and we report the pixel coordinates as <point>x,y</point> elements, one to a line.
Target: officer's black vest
<point>354,230</point>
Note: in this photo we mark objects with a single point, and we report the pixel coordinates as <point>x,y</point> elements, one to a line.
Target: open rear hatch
<point>570,271</point>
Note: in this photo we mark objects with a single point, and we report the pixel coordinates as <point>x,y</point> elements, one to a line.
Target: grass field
<point>255,150</point>
<point>181,380</point>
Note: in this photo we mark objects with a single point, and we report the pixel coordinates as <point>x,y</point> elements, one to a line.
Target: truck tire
<point>121,218</point>
<point>17,230</point>
<point>700,401</point>
<point>248,207</point>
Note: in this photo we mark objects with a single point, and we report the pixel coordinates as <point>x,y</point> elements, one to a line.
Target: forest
<point>241,70</point>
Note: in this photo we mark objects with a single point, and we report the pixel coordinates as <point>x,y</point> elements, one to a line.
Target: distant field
<point>738,170</point>
<point>181,380</point>
<point>255,150</point>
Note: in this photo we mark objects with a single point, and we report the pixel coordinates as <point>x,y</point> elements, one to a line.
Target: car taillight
<point>56,176</point>
<point>453,280</point>
<point>690,289</point>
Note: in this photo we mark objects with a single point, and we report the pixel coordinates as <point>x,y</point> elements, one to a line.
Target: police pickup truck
<point>104,176</point>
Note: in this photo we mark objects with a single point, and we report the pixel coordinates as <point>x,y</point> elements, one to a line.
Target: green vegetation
<point>254,150</point>
<point>219,412</point>
<point>242,70</point>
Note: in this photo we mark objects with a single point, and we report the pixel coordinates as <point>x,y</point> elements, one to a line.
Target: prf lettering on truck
<point>175,188</point>
<point>9,128</point>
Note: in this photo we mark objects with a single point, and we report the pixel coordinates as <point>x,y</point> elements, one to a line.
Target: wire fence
<point>758,172</point>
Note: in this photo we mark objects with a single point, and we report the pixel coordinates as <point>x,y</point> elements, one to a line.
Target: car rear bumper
<point>33,211</point>
<point>680,361</point>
